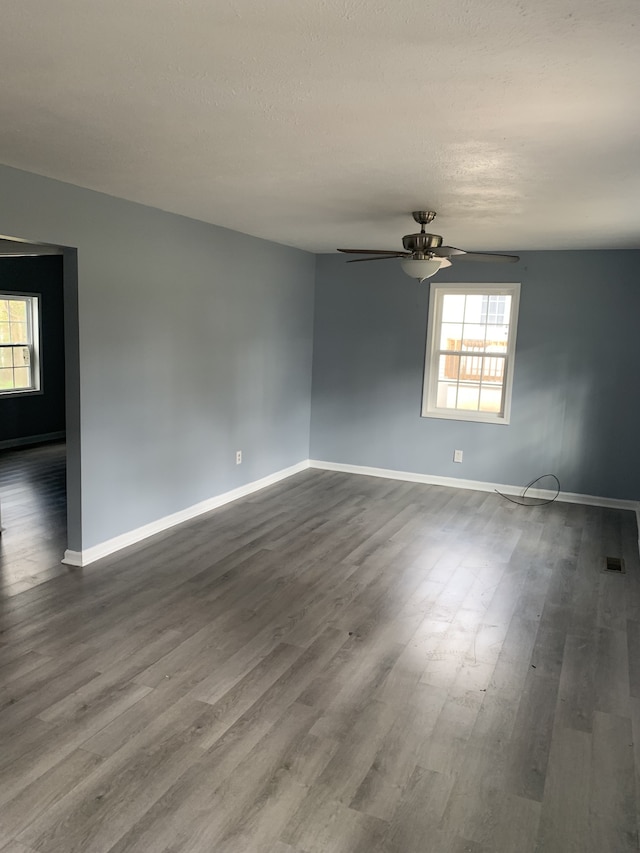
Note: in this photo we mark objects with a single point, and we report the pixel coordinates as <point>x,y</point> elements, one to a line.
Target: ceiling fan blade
<point>375,258</point>
<point>491,257</point>
<point>461,255</point>
<point>445,251</point>
<point>391,252</point>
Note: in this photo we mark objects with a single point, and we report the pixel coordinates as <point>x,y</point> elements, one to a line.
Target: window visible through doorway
<point>19,344</point>
<point>470,352</point>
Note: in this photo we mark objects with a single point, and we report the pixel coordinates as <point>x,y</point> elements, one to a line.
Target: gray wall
<point>576,400</point>
<point>194,341</point>
<point>25,416</point>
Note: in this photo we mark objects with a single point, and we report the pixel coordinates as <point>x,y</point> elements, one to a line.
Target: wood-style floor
<point>338,664</point>
<point>33,507</point>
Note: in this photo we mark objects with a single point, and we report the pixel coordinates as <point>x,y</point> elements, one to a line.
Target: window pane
<point>453,308</point>
<point>468,396</point>
<point>491,398</point>
<point>473,308</point>
<point>19,333</point>
<point>4,310</point>
<point>6,359</point>
<point>17,310</point>
<point>473,337</point>
<point>471,368</point>
<point>5,334</point>
<point>449,367</point>
<point>446,397</point>
<point>22,378</point>
<point>496,308</point>
<point>497,338</point>
<point>451,336</point>
<point>493,370</point>
<point>6,378</point>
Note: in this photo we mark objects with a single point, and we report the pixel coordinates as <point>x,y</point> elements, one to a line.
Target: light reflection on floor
<point>33,516</point>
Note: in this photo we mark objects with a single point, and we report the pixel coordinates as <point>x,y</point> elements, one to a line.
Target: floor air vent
<point>614,564</point>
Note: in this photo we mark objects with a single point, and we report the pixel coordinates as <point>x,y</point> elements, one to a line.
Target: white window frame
<point>34,335</point>
<point>429,396</point>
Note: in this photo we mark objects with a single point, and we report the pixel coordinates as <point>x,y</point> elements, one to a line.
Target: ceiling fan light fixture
<point>425,268</point>
<point>424,253</point>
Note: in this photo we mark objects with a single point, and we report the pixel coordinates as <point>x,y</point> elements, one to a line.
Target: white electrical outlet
<point>457,456</point>
<point>238,457</point>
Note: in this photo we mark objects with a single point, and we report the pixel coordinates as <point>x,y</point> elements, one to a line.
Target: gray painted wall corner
<point>575,408</point>
<point>194,342</point>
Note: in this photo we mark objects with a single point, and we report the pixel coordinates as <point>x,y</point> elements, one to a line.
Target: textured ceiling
<point>320,123</point>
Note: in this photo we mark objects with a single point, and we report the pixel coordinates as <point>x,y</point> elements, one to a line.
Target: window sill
<point>28,392</point>
<point>473,417</point>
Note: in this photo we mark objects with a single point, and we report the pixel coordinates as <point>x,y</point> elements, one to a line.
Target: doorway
<point>39,424</point>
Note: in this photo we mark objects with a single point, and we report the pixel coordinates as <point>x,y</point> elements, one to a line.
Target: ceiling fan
<point>424,253</point>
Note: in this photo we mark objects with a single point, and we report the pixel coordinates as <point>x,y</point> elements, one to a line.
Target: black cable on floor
<point>521,501</point>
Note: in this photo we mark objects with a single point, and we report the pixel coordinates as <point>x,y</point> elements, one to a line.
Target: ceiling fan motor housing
<point>421,242</point>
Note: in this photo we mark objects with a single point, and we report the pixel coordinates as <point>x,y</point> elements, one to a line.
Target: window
<point>471,340</point>
<point>493,308</point>
<point>19,338</point>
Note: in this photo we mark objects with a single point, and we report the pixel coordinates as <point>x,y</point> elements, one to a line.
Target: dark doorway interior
<point>32,433</point>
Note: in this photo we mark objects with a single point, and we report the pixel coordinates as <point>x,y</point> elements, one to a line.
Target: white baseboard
<point>103,549</point>
<point>475,485</point>
<point>31,439</point>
